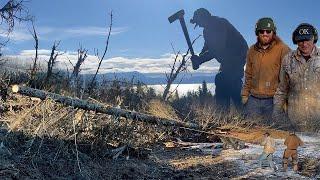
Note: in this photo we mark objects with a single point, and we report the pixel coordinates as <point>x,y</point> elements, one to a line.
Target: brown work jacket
<point>293,142</point>
<point>262,69</point>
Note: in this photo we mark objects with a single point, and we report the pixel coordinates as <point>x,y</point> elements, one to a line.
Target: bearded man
<point>262,71</point>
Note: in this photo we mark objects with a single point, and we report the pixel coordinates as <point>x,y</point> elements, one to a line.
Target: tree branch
<point>101,59</point>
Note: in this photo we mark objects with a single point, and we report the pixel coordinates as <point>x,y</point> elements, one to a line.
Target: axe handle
<point>186,34</point>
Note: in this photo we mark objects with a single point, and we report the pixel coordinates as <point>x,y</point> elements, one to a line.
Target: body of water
<point>182,88</point>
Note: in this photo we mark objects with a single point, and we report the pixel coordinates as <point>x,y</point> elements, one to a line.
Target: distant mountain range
<point>157,78</point>
<point>146,78</point>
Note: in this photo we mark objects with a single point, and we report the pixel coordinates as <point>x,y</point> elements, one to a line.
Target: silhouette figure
<point>224,43</point>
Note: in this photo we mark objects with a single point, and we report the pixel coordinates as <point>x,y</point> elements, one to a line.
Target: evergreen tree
<point>204,94</point>
<point>176,95</point>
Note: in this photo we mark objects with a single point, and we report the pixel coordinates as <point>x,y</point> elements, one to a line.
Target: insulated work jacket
<point>262,69</point>
<point>300,87</point>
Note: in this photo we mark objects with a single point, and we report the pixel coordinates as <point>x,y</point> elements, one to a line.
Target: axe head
<point>177,15</point>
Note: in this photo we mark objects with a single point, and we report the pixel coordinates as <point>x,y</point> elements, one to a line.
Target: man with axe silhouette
<point>225,44</point>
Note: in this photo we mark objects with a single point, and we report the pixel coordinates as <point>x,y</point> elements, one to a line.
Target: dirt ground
<point>45,140</point>
<point>56,159</point>
<point>172,164</point>
<point>50,159</point>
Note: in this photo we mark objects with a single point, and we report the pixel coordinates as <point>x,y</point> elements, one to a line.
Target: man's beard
<point>265,42</point>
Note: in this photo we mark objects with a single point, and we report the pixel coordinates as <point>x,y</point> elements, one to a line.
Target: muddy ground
<point>56,159</point>
<point>45,140</point>
<point>24,157</point>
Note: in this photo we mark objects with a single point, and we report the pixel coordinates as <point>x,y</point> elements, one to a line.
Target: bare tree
<point>12,11</point>
<point>177,67</point>
<point>82,55</point>
<point>101,59</point>
<point>52,60</point>
<point>36,46</point>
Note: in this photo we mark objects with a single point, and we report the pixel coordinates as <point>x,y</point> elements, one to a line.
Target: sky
<point>142,39</point>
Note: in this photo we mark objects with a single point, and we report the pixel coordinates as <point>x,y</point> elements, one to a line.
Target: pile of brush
<point>41,139</point>
<point>310,166</point>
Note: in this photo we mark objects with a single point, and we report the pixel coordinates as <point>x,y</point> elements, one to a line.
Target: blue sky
<point>141,28</point>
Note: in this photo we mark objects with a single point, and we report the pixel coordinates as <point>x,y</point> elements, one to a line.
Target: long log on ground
<point>189,145</point>
<point>86,105</point>
<point>78,103</point>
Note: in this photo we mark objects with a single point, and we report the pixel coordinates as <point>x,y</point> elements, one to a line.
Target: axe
<point>179,15</point>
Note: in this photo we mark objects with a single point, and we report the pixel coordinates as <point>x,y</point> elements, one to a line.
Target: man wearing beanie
<point>300,80</point>
<point>262,71</point>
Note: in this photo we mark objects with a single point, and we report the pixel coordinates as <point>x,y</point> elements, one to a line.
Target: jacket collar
<point>315,52</point>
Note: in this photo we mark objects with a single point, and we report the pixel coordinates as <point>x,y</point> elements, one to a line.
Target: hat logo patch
<point>269,24</point>
<point>304,32</point>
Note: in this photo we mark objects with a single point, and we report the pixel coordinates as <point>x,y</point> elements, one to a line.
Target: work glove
<point>244,99</point>
<point>195,62</point>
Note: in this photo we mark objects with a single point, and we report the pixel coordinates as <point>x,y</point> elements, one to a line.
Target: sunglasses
<point>263,31</point>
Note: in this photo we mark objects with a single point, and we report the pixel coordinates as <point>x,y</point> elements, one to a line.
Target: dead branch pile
<point>86,105</point>
<point>310,166</point>
<point>46,137</point>
<point>50,119</point>
<point>210,117</point>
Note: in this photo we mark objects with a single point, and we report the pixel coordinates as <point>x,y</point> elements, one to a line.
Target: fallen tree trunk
<point>78,103</point>
<point>189,145</point>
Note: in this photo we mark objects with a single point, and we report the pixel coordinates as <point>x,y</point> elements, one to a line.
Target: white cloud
<point>22,32</point>
<point>32,52</point>
<point>16,35</point>
<point>92,31</point>
<point>114,64</point>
